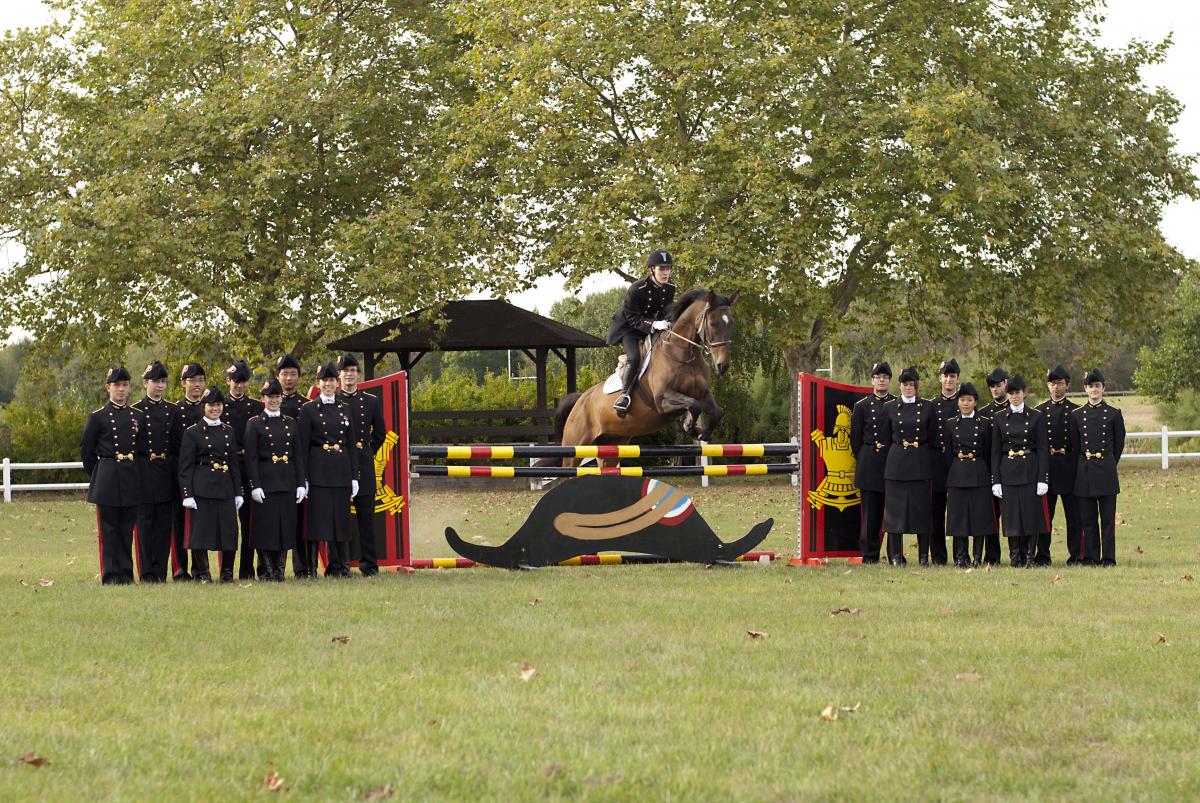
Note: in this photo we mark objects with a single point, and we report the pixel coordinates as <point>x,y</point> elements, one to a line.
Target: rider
<point>640,315</point>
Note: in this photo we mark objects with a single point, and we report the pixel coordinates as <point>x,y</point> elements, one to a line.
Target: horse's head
<point>708,317</point>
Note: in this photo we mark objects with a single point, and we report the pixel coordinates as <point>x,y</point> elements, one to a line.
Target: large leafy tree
<point>232,175</point>
<point>921,167</point>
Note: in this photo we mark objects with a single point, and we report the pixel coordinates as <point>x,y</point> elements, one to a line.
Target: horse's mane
<point>677,307</point>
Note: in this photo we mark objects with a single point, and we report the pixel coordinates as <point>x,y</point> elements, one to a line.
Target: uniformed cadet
<point>997,384</point>
<point>113,439</point>
<point>870,454</point>
<point>240,408</point>
<point>366,413</point>
<point>210,482</point>
<point>945,407</point>
<point>191,410</point>
<point>160,472</point>
<point>287,371</point>
<point>275,468</point>
<point>331,462</point>
<point>908,426</point>
<point>640,314</point>
<point>1057,410</point>
<point>967,444</point>
<point>1098,439</point>
<point>1020,473</point>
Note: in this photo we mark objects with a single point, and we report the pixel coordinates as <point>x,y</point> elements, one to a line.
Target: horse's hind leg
<point>672,403</point>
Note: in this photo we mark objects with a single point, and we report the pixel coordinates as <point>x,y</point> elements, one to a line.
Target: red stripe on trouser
<point>100,542</point>
<point>137,557</point>
<point>187,528</point>
<point>1046,511</point>
<point>174,557</point>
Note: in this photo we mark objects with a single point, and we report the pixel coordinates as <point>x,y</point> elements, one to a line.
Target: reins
<point>701,332</point>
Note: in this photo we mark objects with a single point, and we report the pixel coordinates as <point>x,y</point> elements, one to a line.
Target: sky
<point>1125,20</point>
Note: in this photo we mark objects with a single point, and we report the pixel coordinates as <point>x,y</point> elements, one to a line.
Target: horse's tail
<point>561,413</point>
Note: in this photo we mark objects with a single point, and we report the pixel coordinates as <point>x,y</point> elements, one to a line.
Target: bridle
<point>705,344</point>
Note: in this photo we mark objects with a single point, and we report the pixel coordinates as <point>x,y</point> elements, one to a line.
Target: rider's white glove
<point>997,491</point>
<point>238,502</point>
<point>354,487</point>
<point>659,326</point>
<point>1042,489</point>
<point>301,492</point>
<point>190,503</point>
<point>258,495</point>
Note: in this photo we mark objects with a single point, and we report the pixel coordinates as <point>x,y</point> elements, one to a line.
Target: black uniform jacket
<point>114,440</point>
<point>1098,439</point>
<point>366,413</point>
<point>237,412</point>
<point>1058,438</point>
<point>644,304</point>
<point>291,404</point>
<point>990,409</point>
<point>909,428</point>
<point>190,412</point>
<point>208,465</point>
<point>273,458</point>
<point>967,445</point>
<point>867,442</point>
<point>943,410</point>
<point>1019,452</point>
<point>160,465</point>
<point>327,439</point>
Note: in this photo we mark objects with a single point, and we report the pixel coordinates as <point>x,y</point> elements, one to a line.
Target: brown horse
<point>676,385</point>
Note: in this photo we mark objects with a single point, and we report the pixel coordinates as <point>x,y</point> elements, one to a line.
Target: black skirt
<point>213,525</point>
<point>907,506</point>
<point>273,522</point>
<point>1023,511</point>
<point>328,514</point>
<point>969,511</point>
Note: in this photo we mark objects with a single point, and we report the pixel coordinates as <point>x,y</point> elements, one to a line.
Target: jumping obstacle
<point>609,559</point>
<point>487,452</point>
<point>734,470</point>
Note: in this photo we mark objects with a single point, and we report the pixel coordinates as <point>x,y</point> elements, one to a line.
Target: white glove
<point>258,495</point>
<point>659,326</point>
<point>997,491</point>
<point>1042,488</point>
<point>301,492</point>
<point>190,503</point>
<point>238,502</point>
<point>354,487</point>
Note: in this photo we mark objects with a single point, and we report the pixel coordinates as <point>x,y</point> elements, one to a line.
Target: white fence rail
<point>1164,456</point>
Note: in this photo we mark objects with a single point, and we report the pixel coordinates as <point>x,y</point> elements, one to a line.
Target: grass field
<point>1034,684</point>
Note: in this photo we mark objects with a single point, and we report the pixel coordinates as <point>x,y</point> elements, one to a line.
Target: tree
<point>923,167</point>
<point>1169,366</point>
<point>236,176</point>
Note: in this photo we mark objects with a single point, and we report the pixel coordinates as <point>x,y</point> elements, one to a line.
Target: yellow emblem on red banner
<point>837,489</point>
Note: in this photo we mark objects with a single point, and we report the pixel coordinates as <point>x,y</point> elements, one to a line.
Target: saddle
<point>613,383</point>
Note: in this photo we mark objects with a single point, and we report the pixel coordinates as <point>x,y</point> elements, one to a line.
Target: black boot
<point>977,550</point>
<point>314,559</point>
<point>1016,552</point>
<point>227,558</point>
<point>922,549</point>
<point>895,549</point>
<point>961,559</point>
<point>621,405</point>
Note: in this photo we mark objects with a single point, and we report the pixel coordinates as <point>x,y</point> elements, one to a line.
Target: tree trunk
<point>803,357</point>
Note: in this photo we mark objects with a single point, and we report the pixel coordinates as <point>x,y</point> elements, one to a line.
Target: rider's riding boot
<point>621,405</point>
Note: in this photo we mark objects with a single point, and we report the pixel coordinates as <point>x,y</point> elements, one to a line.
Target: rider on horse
<point>640,315</point>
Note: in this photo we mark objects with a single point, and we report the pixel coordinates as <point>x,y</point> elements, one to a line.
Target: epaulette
<point>97,410</point>
<point>863,399</point>
<point>1080,408</point>
<point>668,284</point>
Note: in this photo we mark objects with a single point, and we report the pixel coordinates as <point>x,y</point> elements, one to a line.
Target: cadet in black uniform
<point>370,432</point>
<point>870,454</point>
<point>211,485</point>
<point>1057,410</point>
<point>275,468</point>
<point>240,408</point>
<point>908,427</point>
<point>327,439</point>
<point>967,444</point>
<point>287,371</point>
<point>191,410</point>
<point>1020,473</point>
<point>997,383</point>
<point>641,314</point>
<point>113,439</point>
<point>160,473</point>
<point>1098,439</point>
<point>945,407</point>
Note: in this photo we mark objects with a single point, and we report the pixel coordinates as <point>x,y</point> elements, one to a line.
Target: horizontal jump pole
<point>735,470</point>
<point>582,560</point>
<point>485,452</point>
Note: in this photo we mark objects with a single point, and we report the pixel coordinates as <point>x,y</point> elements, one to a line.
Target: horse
<point>675,387</point>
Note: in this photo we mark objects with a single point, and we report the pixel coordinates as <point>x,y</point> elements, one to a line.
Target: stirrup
<point>621,405</point>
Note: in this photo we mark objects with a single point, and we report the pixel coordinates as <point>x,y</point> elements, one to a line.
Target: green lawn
<point>981,685</point>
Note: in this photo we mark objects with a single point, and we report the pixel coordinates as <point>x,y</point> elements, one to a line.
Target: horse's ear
<point>733,297</point>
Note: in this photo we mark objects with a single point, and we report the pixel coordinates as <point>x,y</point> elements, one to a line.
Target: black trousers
<point>870,531</point>
<point>114,529</point>
<point>364,519</point>
<point>1098,518</point>
<point>154,523</point>
<point>991,544</point>
<point>1074,534</point>
<point>246,552</point>
<point>301,554</point>
<point>937,538</point>
<point>179,550</point>
<point>338,554</point>
<point>631,343</point>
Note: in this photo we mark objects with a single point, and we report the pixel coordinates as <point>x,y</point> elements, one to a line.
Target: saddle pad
<point>613,383</point>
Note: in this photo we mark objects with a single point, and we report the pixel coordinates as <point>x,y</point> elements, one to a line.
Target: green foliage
<point>11,357</point>
<point>1169,367</point>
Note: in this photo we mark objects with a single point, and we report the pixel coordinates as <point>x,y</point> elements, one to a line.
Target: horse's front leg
<point>713,414</point>
<point>672,403</point>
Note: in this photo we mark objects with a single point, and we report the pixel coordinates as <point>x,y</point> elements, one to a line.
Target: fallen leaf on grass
<point>34,760</point>
<point>851,611</point>
<point>1162,639</point>
<point>1057,581</point>
<point>829,714</point>
<point>968,677</point>
<point>1187,578</point>
<point>787,581</point>
<point>757,633</point>
<point>552,770</point>
<point>244,585</point>
<point>380,792</point>
<point>71,562</point>
<point>947,611</point>
<point>44,583</point>
<point>534,602</point>
<point>272,781</point>
<point>341,639</point>
<point>22,581</point>
<point>1139,550</point>
<point>847,571</point>
<point>528,672</point>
